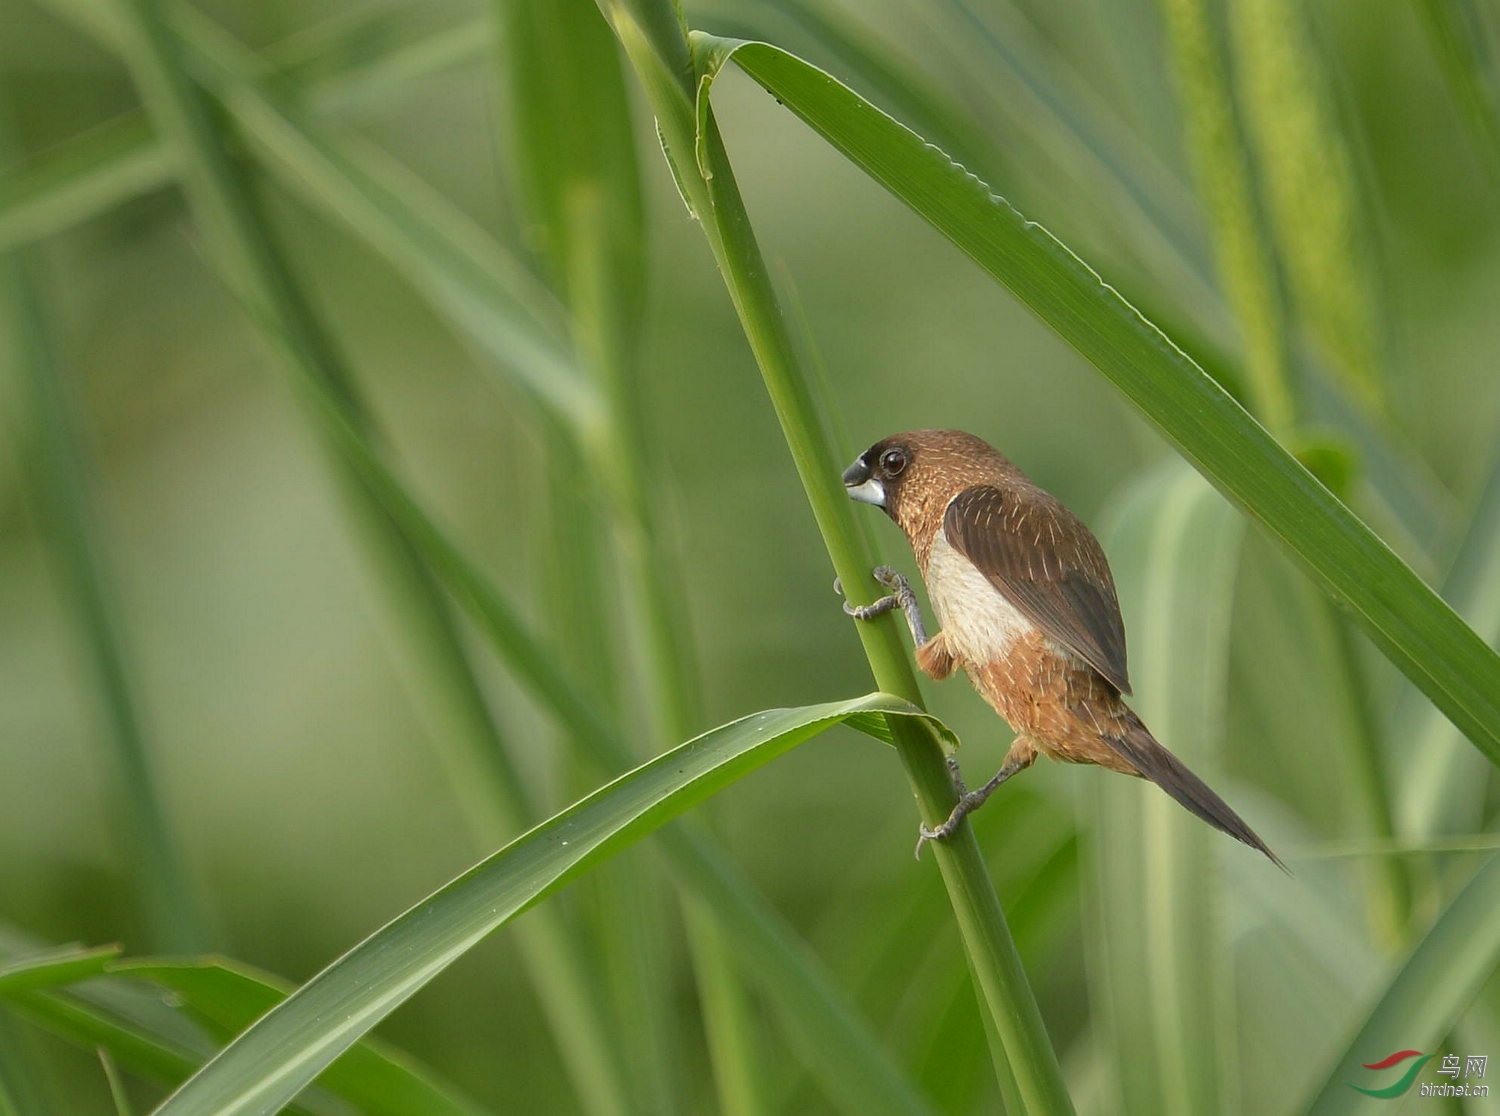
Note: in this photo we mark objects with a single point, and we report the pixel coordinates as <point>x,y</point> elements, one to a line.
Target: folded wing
<point>1044,561</point>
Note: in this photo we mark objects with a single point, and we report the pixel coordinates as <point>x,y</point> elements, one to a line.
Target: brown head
<point>914,475</point>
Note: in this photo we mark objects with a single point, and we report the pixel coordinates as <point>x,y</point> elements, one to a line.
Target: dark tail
<point>1172,775</point>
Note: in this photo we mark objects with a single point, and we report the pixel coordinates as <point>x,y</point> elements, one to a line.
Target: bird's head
<point>912,475</point>
<point>877,475</point>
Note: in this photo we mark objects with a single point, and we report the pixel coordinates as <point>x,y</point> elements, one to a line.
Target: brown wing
<point>1047,564</point>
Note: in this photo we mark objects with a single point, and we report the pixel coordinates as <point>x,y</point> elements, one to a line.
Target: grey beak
<point>862,486</point>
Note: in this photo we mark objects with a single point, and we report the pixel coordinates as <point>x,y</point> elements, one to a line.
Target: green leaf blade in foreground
<point>54,967</point>
<point>229,996</point>
<point>1405,618</point>
<point>125,1020</point>
<point>286,1049</point>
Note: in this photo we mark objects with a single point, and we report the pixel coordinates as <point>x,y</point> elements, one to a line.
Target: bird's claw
<point>966,802</point>
<point>874,608</point>
<point>871,610</point>
<point>900,596</point>
<point>927,833</point>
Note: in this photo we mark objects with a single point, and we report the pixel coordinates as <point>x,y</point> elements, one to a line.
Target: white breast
<point>978,622</point>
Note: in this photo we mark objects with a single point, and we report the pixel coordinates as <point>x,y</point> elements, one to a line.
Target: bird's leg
<point>1021,756</point>
<point>901,594</point>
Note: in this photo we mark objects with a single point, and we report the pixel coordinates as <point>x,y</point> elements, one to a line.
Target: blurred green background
<point>296,769</point>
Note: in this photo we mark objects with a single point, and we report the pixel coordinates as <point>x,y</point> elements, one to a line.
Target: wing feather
<point>1046,563</point>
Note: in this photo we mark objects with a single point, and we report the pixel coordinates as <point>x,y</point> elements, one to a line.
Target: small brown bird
<point>1028,609</point>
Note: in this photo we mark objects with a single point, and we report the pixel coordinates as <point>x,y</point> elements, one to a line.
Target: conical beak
<point>862,485</point>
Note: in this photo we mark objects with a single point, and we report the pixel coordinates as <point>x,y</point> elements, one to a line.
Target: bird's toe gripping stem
<point>927,833</point>
<point>901,596</point>
<point>1018,759</point>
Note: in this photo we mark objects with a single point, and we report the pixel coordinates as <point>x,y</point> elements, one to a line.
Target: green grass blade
<point>21,1090</point>
<point>146,1051</point>
<point>847,43</point>
<point>624,915</point>
<point>456,289</point>
<point>117,1093</point>
<point>829,1034</point>
<point>9,1104</point>
<point>485,293</point>
<point>1159,961</point>
<point>1306,174</point>
<point>272,1061</point>
<point>575,155</point>
<point>1246,267</point>
<point>574,150</point>
<point>1427,994</point>
<point>1021,117</point>
<point>170,905</point>
<point>469,745</point>
<point>121,160</point>
<point>371,54</point>
<point>1039,102</point>
<point>909,961</point>
<point>54,967</point>
<point>227,997</point>
<point>141,1031</point>
<point>1365,774</point>
<point>1404,487</point>
<point>155,1057</point>
<point>832,1036</point>
<point>451,260</point>
<point>495,803</point>
<point>655,41</point>
<point>1405,618</point>
<point>1456,39</point>
<point>1446,789</point>
<point>90,174</point>
<point>1032,89</point>
<point>339,78</point>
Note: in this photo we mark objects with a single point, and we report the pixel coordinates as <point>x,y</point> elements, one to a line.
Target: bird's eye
<point>892,461</point>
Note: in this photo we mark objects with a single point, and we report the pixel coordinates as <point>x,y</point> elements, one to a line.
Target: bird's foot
<point>901,595</point>
<point>927,833</point>
<point>968,801</point>
<point>865,612</point>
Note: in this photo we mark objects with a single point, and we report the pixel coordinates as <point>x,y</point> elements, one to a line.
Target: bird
<point>1028,610</point>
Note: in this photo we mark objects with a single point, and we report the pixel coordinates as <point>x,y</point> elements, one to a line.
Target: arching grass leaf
<point>271,1062</point>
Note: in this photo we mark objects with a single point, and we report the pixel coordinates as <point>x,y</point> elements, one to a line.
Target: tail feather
<point>1173,776</point>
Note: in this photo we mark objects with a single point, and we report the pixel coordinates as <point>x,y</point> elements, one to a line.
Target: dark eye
<point>892,461</point>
